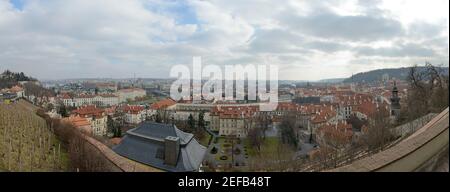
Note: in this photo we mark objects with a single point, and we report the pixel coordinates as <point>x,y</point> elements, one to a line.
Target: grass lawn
<point>269,146</point>
<point>221,140</point>
<point>221,143</point>
<point>205,140</point>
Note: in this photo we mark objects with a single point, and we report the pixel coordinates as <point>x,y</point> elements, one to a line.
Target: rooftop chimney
<point>171,150</point>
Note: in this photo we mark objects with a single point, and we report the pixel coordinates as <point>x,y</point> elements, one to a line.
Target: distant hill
<point>376,75</point>
<point>9,79</point>
<point>334,80</point>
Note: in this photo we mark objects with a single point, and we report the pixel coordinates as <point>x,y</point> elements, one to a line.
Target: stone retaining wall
<point>413,153</point>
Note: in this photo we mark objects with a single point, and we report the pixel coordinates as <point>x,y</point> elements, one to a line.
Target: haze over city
<point>308,40</point>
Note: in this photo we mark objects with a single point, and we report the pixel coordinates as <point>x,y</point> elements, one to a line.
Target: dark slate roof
<point>145,144</point>
<point>159,131</point>
<point>303,100</point>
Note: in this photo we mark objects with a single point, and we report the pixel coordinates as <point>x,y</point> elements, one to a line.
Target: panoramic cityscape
<point>224,86</point>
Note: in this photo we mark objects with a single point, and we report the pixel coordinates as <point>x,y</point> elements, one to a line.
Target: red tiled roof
<point>133,109</point>
<point>111,109</point>
<point>231,112</point>
<point>286,106</point>
<point>340,131</point>
<point>66,96</point>
<point>16,89</point>
<point>370,108</point>
<point>163,104</point>
<point>89,111</point>
<point>80,123</point>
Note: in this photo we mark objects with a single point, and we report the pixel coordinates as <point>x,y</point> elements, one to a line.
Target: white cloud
<point>308,39</point>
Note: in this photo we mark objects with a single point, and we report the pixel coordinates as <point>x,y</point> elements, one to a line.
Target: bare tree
<point>280,160</point>
<point>287,128</point>
<point>378,134</point>
<point>256,128</point>
<point>428,91</point>
<point>263,122</point>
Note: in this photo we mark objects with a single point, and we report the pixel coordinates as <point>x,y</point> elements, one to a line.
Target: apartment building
<point>232,120</point>
<point>95,116</point>
<point>134,114</point>
<point>85,99</point>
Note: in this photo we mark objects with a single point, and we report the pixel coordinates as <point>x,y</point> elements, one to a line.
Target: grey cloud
<point>425,30</point>
<point>284,42</point>
<point>290,59</point>
<point>403,50</point>
<point>325,46</point>
<point>104,38</point>
<point>276,41</point>
<point>352,28</point>
<point>440,42</point>
<point>371,6</point>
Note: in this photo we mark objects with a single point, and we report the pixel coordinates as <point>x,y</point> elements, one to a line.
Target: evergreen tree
<point>158,118</point>
<point>201,120</point>
<point>110,125</point>
<point>63,111</point>
<point>191,122</point>
<point>118,132</point>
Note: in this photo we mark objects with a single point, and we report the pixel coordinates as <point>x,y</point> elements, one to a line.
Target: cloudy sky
<point>307,39</point>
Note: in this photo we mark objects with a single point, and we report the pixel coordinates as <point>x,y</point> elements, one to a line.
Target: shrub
<point>223,157</point>
<point>237,151</point>
<point>214,150</point>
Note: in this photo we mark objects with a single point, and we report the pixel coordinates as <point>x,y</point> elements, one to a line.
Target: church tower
<point>395,102</point>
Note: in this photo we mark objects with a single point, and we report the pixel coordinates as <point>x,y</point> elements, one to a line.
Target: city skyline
<point>308,40</point>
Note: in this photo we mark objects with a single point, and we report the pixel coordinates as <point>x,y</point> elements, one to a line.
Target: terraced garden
<point>26,142</point>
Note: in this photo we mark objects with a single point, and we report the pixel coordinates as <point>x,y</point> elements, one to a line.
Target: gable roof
<point>89,111</point>
<point>163,104</point>
<point>145,144</point>
<point>133,109</point>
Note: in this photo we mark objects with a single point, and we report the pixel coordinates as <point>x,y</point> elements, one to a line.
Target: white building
<point>99,125</point>
<point>181,111</point>
<point>130,94</point>
<point>95,116</point>
<point>99,100</point>
<point>134,114</point>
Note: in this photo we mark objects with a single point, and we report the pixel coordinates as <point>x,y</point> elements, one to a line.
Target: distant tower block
<point>395,102</point>
<point>385,78</point>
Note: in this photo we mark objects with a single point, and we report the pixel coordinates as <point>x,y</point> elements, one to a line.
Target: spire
<point>395,101</point>
<point>395,89</point>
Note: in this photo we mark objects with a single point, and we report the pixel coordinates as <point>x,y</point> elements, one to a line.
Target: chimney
<point>171,150</point>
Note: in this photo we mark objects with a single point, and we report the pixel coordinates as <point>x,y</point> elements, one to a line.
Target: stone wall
<point>411,127</point>
<point>421,151</point>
